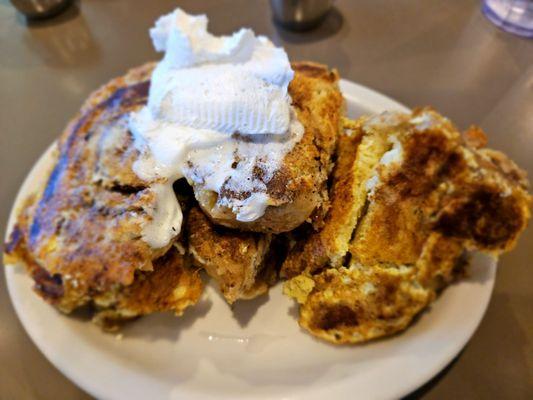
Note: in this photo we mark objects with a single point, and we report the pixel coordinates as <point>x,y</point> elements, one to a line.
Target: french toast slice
<point>236,260</point>
<point>80,235</point>
<point>433,195</point>
<point>297,191</point>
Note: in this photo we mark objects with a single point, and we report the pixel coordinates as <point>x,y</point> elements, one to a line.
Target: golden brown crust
<point>357,156</point>
<point>299,188</point>
<point>362,303</point>
<point>395,225</point>
<point>234,259</point>
<point>172,286</point>
<point>366,302</point>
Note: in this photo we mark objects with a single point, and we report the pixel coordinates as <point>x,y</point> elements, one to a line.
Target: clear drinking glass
<point>515,16</point>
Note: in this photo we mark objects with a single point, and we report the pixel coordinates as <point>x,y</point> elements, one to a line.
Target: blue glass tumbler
<point>515,16</point>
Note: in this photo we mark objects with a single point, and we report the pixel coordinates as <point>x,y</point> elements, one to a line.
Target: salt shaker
<point>37,9</point>
<point>300,15</point>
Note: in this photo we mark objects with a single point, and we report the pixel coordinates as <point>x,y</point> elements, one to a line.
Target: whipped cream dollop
<point>229,84</point>
<point>218,111</point>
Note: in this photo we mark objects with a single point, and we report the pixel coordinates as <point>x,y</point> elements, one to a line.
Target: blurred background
<point>420,52</point>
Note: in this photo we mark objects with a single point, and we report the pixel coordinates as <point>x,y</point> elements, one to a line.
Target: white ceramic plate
<point>256,350</point>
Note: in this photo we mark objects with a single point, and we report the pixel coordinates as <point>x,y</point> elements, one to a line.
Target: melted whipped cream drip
<point>242,164</point>
<point>218,109</point>
<point>166,221</point>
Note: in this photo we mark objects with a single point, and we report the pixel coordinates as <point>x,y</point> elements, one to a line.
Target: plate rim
<point>351,91</point>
